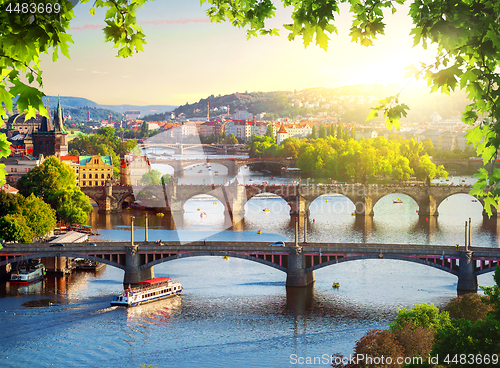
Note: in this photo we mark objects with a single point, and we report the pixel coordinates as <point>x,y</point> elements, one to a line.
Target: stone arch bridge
<point>171,198</point>
<point>298,261</point>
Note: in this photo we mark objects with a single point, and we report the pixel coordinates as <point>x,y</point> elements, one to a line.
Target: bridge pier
<point>232,168</point>
<point>295,274</point>
<point>298,205</point>
<point>363,206</point>
<point>176,220</point>
<point>428,206</point>
<point>133,273</point>
<point>467,278</point>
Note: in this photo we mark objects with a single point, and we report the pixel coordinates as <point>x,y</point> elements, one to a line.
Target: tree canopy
<point>23,219</point>
<point>55,183</point>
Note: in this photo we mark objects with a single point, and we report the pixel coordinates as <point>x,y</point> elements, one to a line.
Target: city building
<point>95,170</point>
<point>17,166</point>
<point>281,135</point>
<point>132,114</point>
<point>132,168</point>
<point>39,135</point>
<point>9,189</point>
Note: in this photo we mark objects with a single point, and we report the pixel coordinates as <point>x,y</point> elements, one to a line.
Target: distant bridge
<point>179,148</point>
<point>298,262</point>
<point>232,164</point>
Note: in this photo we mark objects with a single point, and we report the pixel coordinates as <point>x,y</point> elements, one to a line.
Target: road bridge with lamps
<point>298,261</point>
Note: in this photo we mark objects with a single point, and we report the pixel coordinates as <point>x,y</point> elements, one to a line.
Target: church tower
<point>51,139</point>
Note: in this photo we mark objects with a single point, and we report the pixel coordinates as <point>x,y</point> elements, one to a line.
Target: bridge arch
<point>398,191</point>
<point>387,256</point>
<point>57,254</point>
<point>214,194</point>
<point>280,206</point>
<point>217,254</point>
<point>465,192</point>
<point>339,205</point>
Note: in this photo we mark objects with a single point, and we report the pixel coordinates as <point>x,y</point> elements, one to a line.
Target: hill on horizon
<point>69,102</point>
<point>349,103</point>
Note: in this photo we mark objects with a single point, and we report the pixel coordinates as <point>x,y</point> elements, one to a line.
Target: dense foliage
<point>81,115</point>
<point>4,152</point>
<point>398,159</point>
<point>154,177</point>
<point>55,183</point>
<point>24,219</point>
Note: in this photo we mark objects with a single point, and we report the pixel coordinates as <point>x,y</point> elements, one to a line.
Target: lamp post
<point>132,230</point>
<point>146,226</point>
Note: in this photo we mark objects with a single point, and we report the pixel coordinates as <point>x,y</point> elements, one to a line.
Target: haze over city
<point>187,58</point>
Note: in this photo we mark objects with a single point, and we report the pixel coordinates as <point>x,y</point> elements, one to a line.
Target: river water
<point>237,313</point>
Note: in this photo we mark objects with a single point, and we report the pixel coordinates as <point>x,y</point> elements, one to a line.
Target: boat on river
<point>148,291</point>
<point>397,201</point>
<point>27,273</point>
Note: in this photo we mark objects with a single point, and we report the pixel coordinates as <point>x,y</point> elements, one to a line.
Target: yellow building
<point>95,170</point>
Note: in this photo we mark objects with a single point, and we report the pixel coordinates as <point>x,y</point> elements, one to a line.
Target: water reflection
<point>154,313</point>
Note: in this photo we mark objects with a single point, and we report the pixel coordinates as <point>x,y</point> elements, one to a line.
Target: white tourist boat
<point>148,291</point>
<point>30,272</point>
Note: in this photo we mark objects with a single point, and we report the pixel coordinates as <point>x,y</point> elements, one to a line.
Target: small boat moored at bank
<point>148,291</point>
<point>27,273</point>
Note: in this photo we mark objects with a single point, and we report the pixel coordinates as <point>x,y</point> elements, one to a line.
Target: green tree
<point>469,306</point>
<point>152,177</point>
<point>10,203</point>
<point>322,131</point>
<point>493,295</point>
<point>144,130</point>
<point>55,183</point>
<point>4,152</point>
<point>39,216</point>
<point>424,315</point>
<point>230,139</point>
<point>340,132</point>
<point>313,132</point>
<point>13,227</point>
<point>165,179</point>
<point>269,131</point>
<point>353,132</point>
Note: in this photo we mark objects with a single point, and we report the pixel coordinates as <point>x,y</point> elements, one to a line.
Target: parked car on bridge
<point>277,244</point>
<point>91,245</point>
<point>57,245</point>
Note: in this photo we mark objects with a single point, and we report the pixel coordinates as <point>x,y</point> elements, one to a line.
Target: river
<point>236,313</point>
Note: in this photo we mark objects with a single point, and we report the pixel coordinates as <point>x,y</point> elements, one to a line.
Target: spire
<point>58,117</point>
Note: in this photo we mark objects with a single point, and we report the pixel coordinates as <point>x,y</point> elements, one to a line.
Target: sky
<point>187,58</point>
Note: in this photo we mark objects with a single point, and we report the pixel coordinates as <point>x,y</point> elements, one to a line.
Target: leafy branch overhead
<point>25,36</point>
